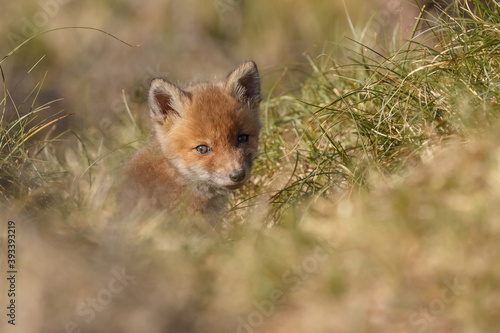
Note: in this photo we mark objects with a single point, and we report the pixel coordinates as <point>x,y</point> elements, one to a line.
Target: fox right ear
<point>243,83</point>
<point>166,100</point>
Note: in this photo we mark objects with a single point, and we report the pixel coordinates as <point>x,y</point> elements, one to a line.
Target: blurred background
<point>180,40</point>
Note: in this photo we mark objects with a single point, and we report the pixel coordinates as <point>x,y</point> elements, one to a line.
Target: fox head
<point>210,132</point>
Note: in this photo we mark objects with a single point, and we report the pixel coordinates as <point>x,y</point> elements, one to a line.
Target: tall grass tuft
<point>374,112</point>
<point>23,169</point>
<point>20,143</point>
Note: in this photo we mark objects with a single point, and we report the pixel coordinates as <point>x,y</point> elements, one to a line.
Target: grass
<point>378,112</point>
<point>22,125</point>
<point>378,182</point>
<point>19,152</point>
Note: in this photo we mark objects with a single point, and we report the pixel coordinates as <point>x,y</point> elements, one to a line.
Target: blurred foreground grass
<point>373,208</point>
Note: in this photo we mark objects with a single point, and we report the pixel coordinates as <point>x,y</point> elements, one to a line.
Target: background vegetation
<point>374,203</point>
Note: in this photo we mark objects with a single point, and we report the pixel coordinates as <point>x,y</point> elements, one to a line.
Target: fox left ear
<point>243,83</point>
<point>166,100</point>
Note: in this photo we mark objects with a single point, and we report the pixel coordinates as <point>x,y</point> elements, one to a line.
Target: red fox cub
<point>204,144</point>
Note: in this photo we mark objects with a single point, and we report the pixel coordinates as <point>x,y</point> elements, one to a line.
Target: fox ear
<point>166,100</point>
<point>243,83</point>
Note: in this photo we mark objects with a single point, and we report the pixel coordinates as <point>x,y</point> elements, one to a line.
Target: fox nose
<point>237,175</point>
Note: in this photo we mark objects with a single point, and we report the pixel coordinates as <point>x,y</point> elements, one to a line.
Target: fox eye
<point>243,138</point>
<point>202,149</point>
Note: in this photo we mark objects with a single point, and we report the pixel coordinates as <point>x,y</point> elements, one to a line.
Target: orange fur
<point>205,141</point>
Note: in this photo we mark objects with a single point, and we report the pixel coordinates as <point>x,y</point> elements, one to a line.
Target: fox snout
<point>237,175</point>
<point>235,178</point>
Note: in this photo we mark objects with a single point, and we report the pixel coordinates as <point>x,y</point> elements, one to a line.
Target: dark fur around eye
<point>243,138</point>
